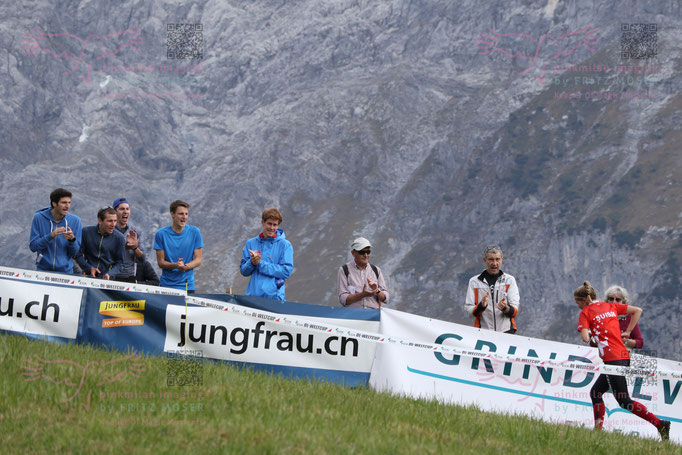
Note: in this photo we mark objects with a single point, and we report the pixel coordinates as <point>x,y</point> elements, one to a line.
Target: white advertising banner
<point>83,281</point>
<point>550,392</point>
<point>39,309</point>
<point>248,335</point>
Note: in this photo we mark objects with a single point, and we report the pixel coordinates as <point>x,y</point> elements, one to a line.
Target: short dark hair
<point>104,212</point>
<point>271,213</point>
<point>57,194</point>
<point>175,204</point>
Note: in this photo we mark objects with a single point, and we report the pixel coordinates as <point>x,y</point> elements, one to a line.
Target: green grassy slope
<point>237,411</point>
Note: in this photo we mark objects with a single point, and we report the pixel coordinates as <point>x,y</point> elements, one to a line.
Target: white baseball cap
<point>360,244</point>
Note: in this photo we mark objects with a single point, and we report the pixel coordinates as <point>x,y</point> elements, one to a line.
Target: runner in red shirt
<point>600,321</point>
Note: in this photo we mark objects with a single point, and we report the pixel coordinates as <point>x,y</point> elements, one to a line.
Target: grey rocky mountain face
<point>431,128</point>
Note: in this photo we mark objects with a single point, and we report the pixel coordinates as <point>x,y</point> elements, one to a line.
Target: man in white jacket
<point>493,296</point>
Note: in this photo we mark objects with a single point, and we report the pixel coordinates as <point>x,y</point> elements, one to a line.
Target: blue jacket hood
<point>278,238</point>
<point>46,212</point>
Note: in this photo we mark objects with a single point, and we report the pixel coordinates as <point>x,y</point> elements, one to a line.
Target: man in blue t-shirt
<point>178,249</point>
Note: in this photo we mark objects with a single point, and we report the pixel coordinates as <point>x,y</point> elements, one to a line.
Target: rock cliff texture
<point>432,128</point>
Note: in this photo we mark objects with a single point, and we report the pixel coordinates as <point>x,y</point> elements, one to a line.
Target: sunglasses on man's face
<point>364,252</point>
<point>614,299</point>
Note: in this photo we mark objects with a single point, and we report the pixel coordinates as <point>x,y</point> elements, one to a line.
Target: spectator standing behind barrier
<point>56,234</point>
<point>133,252</point>
<point>145,274</point>
<point>599,320</point>
<point>499,313</point>
<point>361,284</point>
<point>618,294</point>
<point>178,249</point>
<point>268,259</point>
<point>102,247</point>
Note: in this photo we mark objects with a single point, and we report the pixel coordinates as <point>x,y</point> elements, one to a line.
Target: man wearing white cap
<point>361,284</point>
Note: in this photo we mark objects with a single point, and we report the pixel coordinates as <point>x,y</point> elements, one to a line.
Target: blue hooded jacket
<point>54,254</point>
<point>276,265</point>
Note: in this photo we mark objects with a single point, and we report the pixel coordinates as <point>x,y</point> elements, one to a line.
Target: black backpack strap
<point>374,267</point>
<point>376,270</point>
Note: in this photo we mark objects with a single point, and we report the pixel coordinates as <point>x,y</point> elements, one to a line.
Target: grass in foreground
<point>240,411</point>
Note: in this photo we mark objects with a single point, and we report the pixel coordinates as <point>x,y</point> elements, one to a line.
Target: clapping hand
<point>502,304</point>
<point>255,257</point>
<point>131,240</point>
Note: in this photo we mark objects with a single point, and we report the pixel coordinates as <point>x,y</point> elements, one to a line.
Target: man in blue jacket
<point>56,234</point>
<point>268,259</point>
<point>102,247</point>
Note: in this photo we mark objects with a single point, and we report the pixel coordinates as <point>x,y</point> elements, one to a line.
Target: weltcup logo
<point>536,53</point>
<point>81,53</point>
<point>123,312</point>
